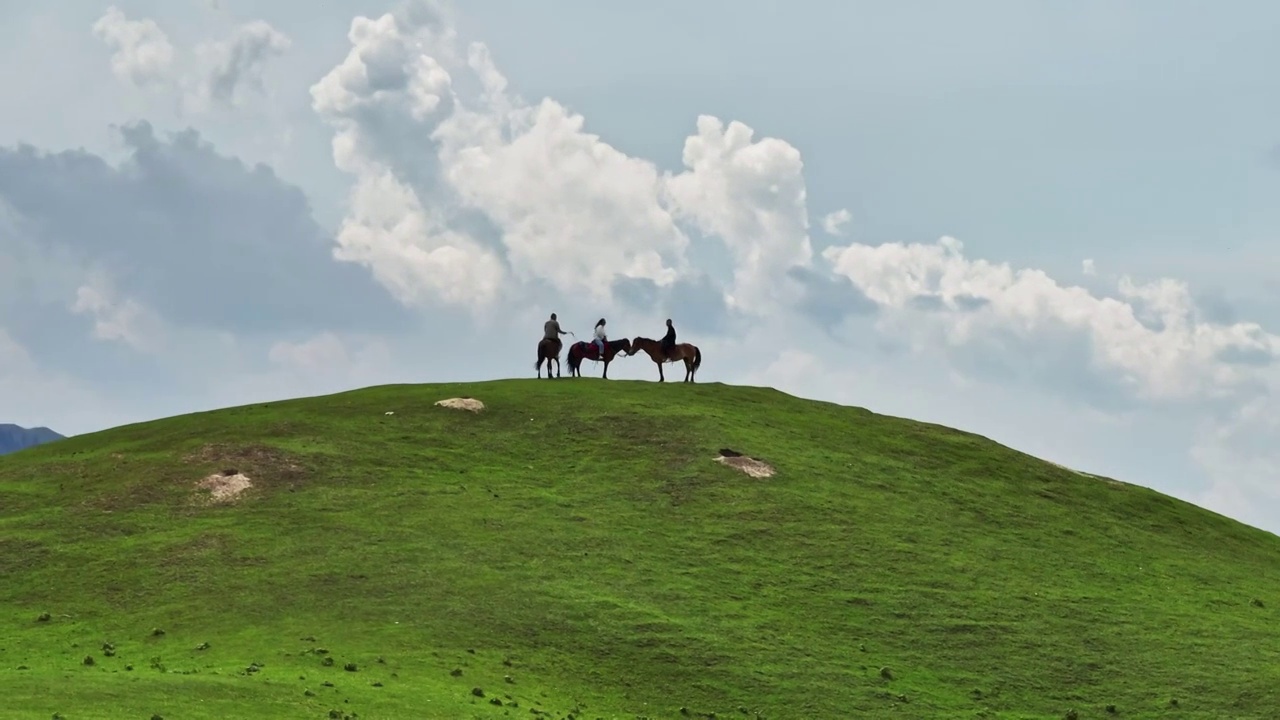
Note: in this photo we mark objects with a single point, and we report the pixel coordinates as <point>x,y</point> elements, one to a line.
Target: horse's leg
<point>688,370</point>
<point>661,376</point>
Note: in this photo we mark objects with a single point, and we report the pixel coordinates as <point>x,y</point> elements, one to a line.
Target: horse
<point>548,349</point>
<point>586,350</point>
<point>687,352</point>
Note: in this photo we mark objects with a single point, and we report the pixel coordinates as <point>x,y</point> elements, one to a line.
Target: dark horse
<point>687,352</point>
<point>586,350</point>
<point>548,349</point>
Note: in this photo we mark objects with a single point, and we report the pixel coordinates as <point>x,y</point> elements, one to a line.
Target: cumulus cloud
<point>834,222</point>
<point>523,197</point>
<point>752,195</point>
<point>117,318</point>
<point>141,52</point>
<point>233,68</point>
<point>1150,338</point>
<point>221,73</point>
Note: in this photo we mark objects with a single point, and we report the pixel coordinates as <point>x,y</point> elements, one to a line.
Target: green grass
<point>577,537</point>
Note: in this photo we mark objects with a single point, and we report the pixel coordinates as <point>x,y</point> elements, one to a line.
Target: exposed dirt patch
<point>251,465</point>
<point>750,466</point>
<point>255,455</point>
<point>224,487</point>
<point>470,404</point>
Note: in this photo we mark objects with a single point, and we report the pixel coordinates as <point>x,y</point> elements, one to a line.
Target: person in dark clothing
<point>669,340</point>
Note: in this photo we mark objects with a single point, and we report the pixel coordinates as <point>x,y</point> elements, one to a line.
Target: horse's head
<point>633,346</point>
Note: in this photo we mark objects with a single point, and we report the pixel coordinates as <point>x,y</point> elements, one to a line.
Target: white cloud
<point>409,249</point>
<point>222,73</point>
<point>752,195</point>
<point>1150,337</point>
<point>572,210</point>
<point>232,69</point>
<point>118,319</point>
<point>1088,267</point>
<point>834,222</point>
<point>563,208</point>
<point>569,209</point>
<point>141,52</point>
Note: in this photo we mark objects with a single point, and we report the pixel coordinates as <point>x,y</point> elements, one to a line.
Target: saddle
<point>589,350</point>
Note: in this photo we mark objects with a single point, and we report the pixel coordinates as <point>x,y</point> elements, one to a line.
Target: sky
<point>1052,224</point>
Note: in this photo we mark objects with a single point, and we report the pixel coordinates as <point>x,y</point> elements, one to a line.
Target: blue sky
<point>1107,171</point>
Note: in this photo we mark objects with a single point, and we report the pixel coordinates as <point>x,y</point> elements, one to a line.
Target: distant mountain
<point>14,437</point>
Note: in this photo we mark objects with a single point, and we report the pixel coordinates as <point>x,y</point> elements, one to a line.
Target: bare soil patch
<point>224,488</point>
<point>470,404</point>
<point>749,465</point>
<point>271,468</point>
<point>255,455</point>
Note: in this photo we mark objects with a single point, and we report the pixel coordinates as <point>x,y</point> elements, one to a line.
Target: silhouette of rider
<point>669,340</point>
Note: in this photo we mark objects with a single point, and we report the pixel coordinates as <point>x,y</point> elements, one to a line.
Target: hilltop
<point>15,437</point>
<point>573,550</point>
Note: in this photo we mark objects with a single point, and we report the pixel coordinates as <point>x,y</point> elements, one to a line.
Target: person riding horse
<point>600,338</point>
<point>551,330</point>
<point>668,340</point>
<point>549,346</point>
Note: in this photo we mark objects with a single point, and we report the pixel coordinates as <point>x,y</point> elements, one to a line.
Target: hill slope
<point>573,549</point>
<point>14,437</point>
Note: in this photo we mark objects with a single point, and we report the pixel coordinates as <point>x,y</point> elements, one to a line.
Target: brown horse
<point>586,350</point>
<point>548,349</point>
<point>687,352</point>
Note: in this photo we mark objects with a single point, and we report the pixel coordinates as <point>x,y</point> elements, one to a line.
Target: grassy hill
<point>574,551</point>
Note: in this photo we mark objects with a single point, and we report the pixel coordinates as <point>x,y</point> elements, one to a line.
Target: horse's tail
<point>697,358</point>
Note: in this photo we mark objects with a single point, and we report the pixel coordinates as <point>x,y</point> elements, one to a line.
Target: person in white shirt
<point>600,337</point>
